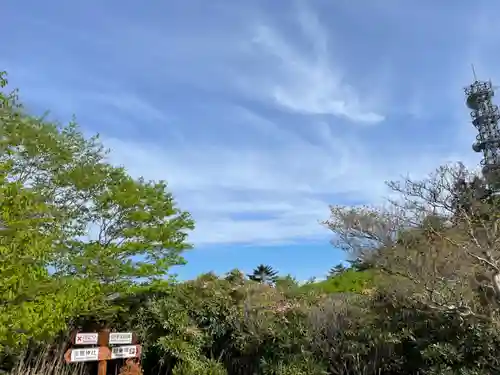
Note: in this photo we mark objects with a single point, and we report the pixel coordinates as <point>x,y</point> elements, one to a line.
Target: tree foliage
<point>336,270</point>
<point>74,228</point>
<point>264,274</point>
<point>347,281</point>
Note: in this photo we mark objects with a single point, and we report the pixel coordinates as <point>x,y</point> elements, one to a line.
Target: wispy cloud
<point>264,196</point>
<point>304,79</point>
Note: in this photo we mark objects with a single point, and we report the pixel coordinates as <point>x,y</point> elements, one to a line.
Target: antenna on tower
<point>485,118</point>
<point>473,72</point>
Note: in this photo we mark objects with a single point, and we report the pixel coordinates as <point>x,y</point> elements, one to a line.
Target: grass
<point>48,362</point>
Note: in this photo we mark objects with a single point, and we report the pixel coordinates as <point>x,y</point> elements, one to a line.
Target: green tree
<point>286,282</point>
<point>235,276</point>
<point>348,281</point>
<point>32,303</point>
<point>91,222</point>
<point>264,274</point>
<point>360,264</point>
<point>337,270</point>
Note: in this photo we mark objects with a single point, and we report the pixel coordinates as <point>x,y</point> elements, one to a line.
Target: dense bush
<point>347,281</point>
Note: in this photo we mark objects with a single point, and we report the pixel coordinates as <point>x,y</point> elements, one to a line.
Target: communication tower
<point>485,117</point>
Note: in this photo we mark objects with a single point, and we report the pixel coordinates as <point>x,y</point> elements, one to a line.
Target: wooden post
<point>103,340</point>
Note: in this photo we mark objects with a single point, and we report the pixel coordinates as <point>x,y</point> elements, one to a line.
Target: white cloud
<point>268,196</point>
<point>279,187</point>
<point>301,80</point>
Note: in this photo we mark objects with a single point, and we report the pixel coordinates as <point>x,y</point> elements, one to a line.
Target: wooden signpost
<point>103,352</point>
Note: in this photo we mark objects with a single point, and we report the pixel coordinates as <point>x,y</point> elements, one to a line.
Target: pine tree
<point>337,270</point>
<point>264,274</point>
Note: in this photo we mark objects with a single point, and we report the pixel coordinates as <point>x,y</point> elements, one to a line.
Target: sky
<point>259,114</point>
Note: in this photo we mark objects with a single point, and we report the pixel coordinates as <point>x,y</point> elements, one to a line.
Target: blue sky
<point>259,114</point>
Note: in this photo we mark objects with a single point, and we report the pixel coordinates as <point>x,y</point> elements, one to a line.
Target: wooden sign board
<point>122,338</point>
<point>102,353</point>
<point>82,338</point>
<point>87,354</point>
<point>128,351</point>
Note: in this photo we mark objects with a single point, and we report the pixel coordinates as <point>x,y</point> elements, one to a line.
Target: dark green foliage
<point>360,264</point>
<point>337,270</point>
<point>263,274</point>
<point>238,324</point>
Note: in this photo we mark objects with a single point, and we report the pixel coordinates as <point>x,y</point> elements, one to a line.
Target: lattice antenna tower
<point>485,117</point>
